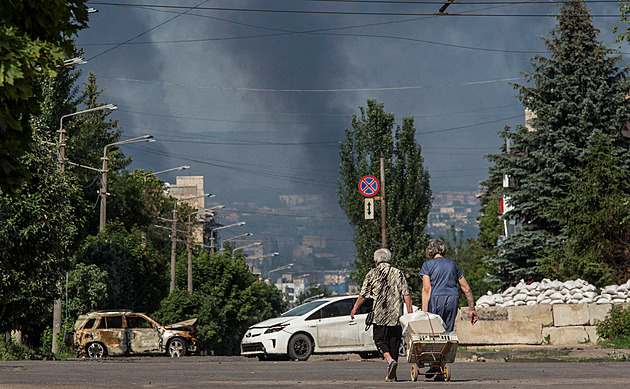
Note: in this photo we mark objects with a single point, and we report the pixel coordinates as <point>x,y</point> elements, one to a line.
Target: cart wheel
<point>414,373</point>
<point>444,375</point>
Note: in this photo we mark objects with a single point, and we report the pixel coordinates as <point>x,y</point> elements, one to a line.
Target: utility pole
<point>189,248</point>
<point>174,242</point>
<point>383,220</point>
<point>173,247</point>
<point>61,166</point>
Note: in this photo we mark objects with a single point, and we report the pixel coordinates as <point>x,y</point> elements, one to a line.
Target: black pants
<point>387,339</point>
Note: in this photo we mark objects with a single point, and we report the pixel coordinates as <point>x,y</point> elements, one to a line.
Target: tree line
<point>49,223</point>
<point>566,171</point>
<point>563,176</point>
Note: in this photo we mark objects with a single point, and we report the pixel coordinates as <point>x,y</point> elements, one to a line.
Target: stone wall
<point>559,324</point>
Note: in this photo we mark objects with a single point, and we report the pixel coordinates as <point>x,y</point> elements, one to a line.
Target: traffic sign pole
<point>383,225</point>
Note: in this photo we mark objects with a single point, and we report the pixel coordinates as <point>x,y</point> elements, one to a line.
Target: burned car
<point>121,332</point>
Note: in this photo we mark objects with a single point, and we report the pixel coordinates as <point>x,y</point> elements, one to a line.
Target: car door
<point>111,333</point>
<point>365,337</point>
<point>335,329</point>
<point>143,335</point>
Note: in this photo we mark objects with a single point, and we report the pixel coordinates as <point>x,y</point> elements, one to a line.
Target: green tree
<point>86,136</point>
<point>578,90</point>
<point>592,213</point>
<point>87,290</point>
<point>34,41</point>
<point>227,299</point>
<point>314,290</point>
<point>408,194</point>
<point>37,230</point>
<point>136,274</point>
<point>137,201</point>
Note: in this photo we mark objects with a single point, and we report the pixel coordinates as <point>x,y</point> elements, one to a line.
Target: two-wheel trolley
<point>433,351</point>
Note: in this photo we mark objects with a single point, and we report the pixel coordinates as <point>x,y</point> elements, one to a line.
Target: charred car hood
<point>186,325</point>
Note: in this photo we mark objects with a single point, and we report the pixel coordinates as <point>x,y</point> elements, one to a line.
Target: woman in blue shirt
<point>440,276</point>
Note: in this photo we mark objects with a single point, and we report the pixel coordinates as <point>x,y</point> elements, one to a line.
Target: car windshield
<point>304,308</point>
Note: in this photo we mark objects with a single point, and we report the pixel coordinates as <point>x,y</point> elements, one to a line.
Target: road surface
<point>340,371</point>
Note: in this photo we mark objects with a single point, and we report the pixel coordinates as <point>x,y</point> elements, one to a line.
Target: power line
<point>145,32</point>
<point>182,85</point>
<point>346,13</point>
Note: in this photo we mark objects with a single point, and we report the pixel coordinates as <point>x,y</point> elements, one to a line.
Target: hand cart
<point>434,351</point>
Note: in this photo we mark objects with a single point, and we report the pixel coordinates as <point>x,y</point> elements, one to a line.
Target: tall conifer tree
<point>408,194</point>
<point>577,91</point>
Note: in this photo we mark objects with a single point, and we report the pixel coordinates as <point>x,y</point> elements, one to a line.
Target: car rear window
<point>109,322</point>
<point>89,324</point>
<point>304,308</point>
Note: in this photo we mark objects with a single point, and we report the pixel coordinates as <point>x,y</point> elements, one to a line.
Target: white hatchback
<point>320,326</point>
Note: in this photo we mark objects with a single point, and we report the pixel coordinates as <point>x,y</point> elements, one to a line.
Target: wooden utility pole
<point>383,220</point>
<point>189,248</point>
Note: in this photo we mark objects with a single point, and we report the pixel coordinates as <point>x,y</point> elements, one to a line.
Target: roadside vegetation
<point>614,330</point>
<point>568,169</point>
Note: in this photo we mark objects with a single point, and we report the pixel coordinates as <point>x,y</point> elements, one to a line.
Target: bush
<point>10,351</point>
<point>614,330</point>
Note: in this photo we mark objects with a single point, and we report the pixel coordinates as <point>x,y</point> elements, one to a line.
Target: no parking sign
<point>369,186</point>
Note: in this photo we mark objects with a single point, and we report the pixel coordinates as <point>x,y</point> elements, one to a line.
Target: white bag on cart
<point>428,322</point>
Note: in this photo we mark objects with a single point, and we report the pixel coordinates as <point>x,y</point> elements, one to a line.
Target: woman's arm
<point>472,314</point>
<point>426,292</point>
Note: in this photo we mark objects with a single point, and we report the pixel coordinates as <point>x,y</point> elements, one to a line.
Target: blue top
<point>443,274</point>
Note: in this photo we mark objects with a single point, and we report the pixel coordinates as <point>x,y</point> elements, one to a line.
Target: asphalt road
<point>346,371</point>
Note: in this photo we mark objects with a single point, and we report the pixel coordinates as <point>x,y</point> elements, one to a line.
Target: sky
<point>256,95</point>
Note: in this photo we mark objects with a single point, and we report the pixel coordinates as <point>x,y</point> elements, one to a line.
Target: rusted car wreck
<point>122,332</point>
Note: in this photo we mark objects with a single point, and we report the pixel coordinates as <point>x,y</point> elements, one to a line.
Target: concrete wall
<point>532,324</point>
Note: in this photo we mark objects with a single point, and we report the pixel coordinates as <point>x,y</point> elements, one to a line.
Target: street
<point>324,371</point>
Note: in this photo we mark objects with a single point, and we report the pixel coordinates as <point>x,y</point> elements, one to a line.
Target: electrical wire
<point>335,90</point>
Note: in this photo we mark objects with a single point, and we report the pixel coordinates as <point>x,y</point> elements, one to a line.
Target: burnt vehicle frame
<point>125,332</point>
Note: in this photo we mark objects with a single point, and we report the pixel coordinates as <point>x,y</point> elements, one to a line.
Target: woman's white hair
<point>382,255</point>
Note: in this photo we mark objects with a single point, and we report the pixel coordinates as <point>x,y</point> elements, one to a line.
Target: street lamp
<point>103,218</point>
<point>62,146</point>
<point>212,238</point>
<point>246,246</point>
<point>278,269</point>
<point>266,255</point>
<point>174,242</point>
<point>165,171</point>
<point>203,212</point>
<point>61,165</point>
<point>234,238</point>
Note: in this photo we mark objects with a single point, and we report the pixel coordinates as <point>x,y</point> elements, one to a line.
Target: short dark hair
<point>435,246</point>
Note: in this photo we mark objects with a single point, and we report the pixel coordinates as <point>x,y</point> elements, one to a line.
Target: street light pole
<point>246,246</point>
<point>61,154</point>
<point>234,238</point>
<point>212,238</point>
<point>103,215</point>
<point>61,166</point>
<point>165,171</point>
<point>174,237</point>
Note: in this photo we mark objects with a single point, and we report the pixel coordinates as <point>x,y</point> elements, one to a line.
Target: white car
<point>320,326</point>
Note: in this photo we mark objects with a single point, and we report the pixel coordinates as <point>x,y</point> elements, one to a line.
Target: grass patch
<point>618,342</point>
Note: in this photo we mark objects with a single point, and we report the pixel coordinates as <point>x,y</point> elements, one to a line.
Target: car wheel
<point>300,347</point>
<point>176,348</point>
<point>96,350</point>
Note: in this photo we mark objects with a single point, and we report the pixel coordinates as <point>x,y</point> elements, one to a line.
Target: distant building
<point>187,187</point>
